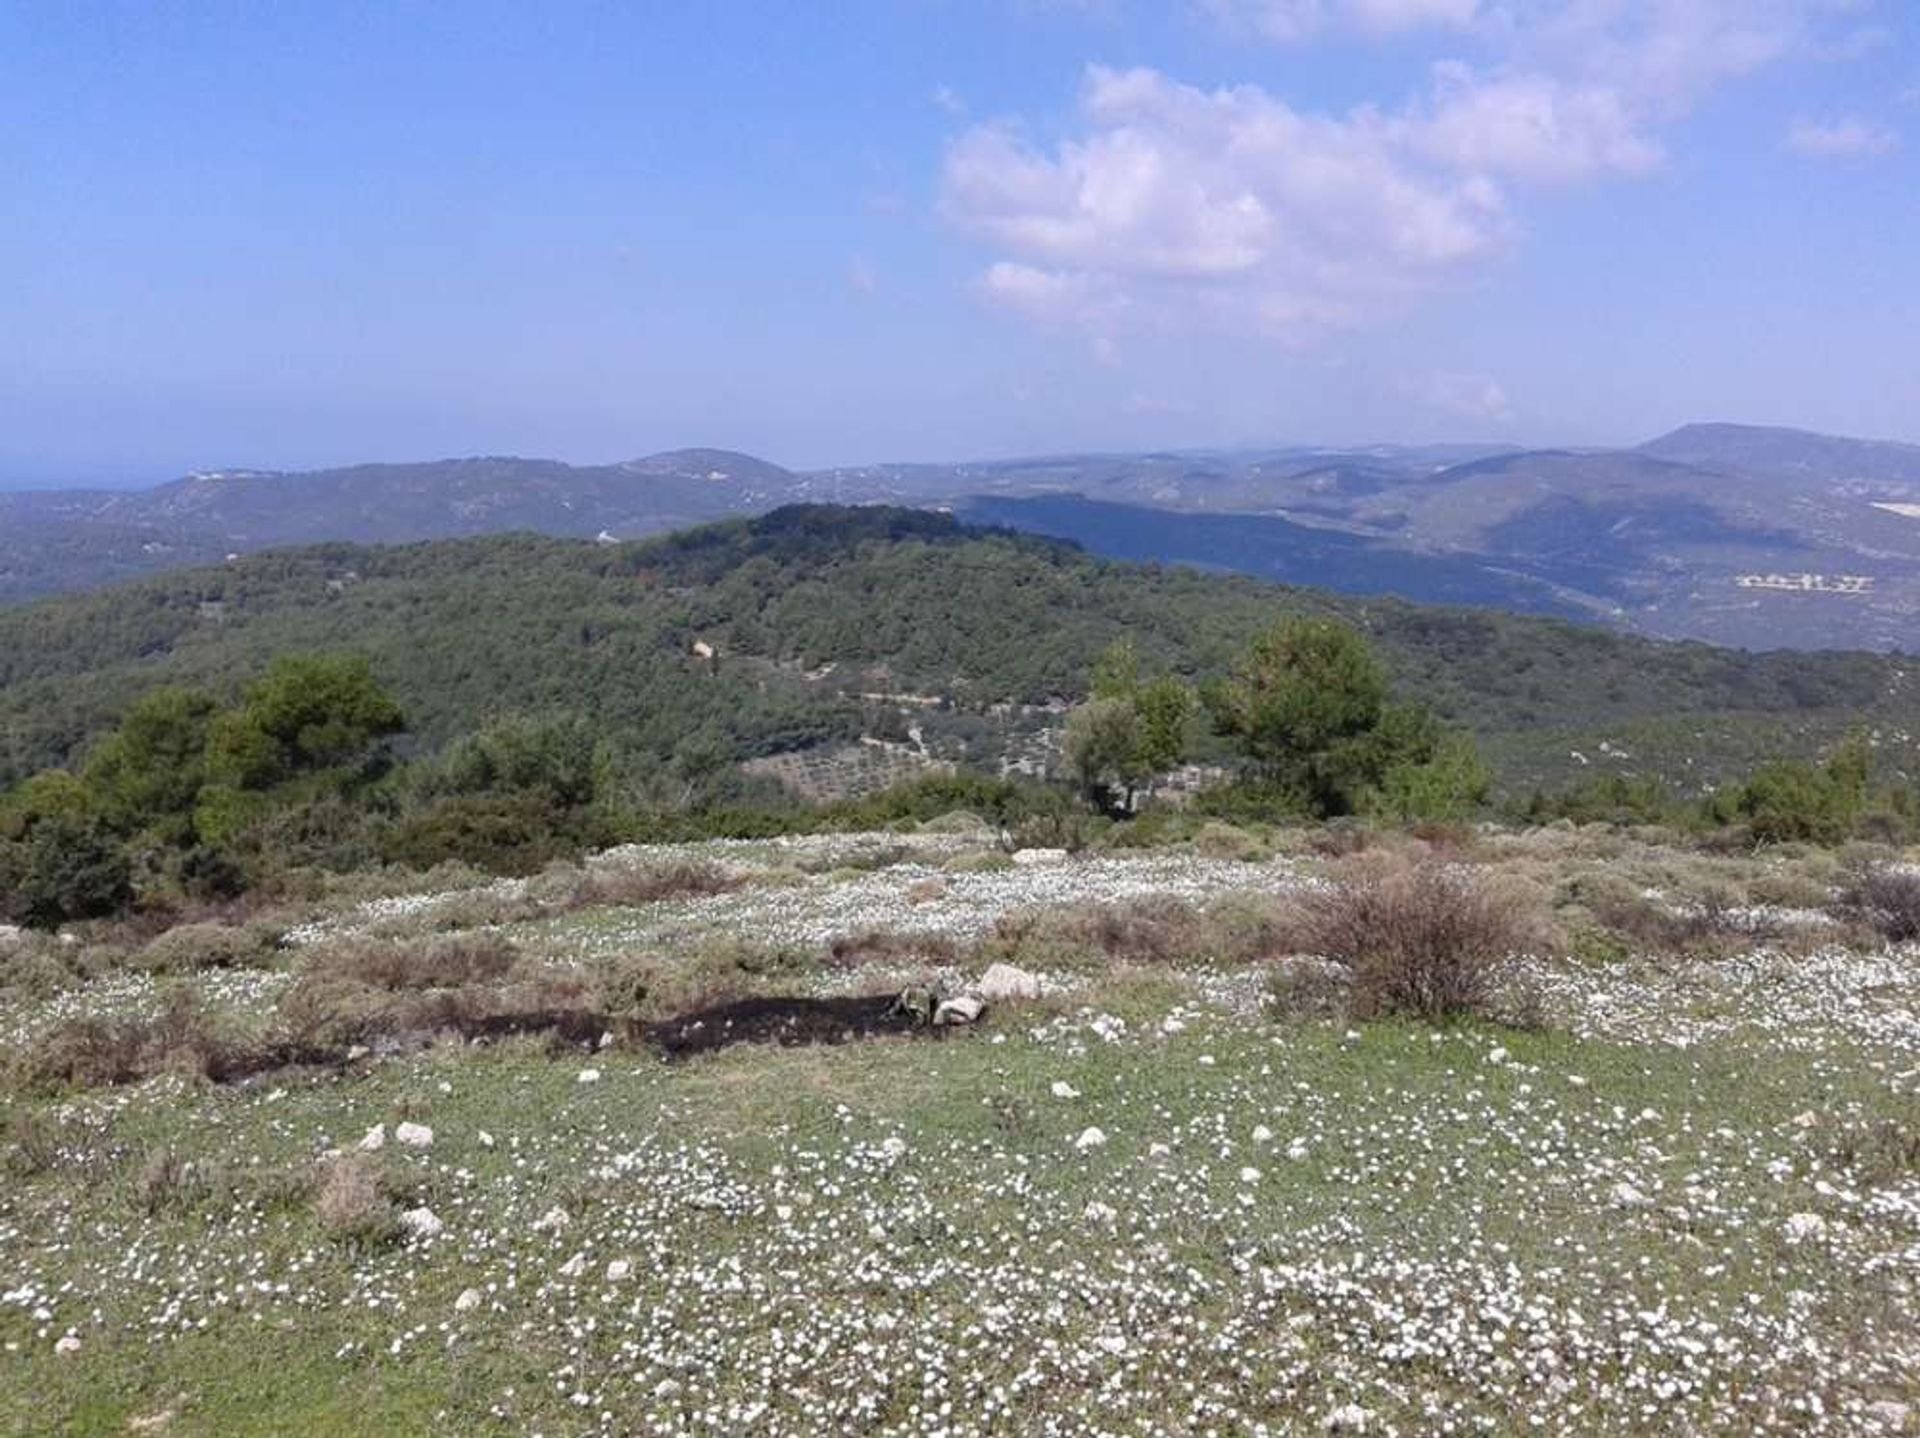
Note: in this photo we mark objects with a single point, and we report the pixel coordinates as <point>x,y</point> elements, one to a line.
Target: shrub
<point>193,947</point>
<point>652,884</point>
<point>63,869</point>
<point>1216,840</point>
<point>1887,898</point>
<point>1426,941</point>
<point>351,1203</point>
<point>444,962</point>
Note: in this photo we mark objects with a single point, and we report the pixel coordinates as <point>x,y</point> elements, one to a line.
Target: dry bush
<point>88,1052</point>
<point>888,948</point>
<point>1427,940</point>
<point>351,1203</point>
<point>926,891</point>
<point>1218,840</point>
<point>190,948</point>
<point>446,961</point>
<point>1888,899</point>
<point>652,884</point>
<point>33,1144</point>
<point>1247,928</point>
<point>1304,987</point>
<point>166,1183</point>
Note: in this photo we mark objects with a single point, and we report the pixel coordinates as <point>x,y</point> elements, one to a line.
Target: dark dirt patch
<point>784,1021</point>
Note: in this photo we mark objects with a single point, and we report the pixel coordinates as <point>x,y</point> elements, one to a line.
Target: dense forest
<point>897,601</point>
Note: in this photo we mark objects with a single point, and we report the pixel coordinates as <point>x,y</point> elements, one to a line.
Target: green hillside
<point>896,601</point>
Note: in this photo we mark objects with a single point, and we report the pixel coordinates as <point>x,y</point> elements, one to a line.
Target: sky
<point>295,235</point>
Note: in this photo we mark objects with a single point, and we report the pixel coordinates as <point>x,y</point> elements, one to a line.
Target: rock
<point>1297,1150</point>
<point>413,1135</point>
<point>553,1219</point>
<point>1809,1119</point>
<point>587,1076</point>
<point>1063,1089</point>
<point>1028,857</point>
<point>1625,1195</point>
<point>356,1052</point>
<point>486,1139</point>
<point>422,1222</point>
<point>1349,1418</point>
<point>1098,1212</point>
<point>375,1140</point>
<point>1803,1228</point>
<point>965,1009</point>
<point>574,1266</point>
<point>1002,982</point>
<point>1496,1056</point>
<point>620,1270</point>
<point>1090,1138</point>
<point>1262,1134</point>
<point>67,1345</point>
<point>1249,1175</point>
<point>1894,1417</point>
<point>468,1300</point>
<point>893,1149</point>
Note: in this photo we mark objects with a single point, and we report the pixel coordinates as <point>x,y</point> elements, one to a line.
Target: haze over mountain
<point>1736,534</point>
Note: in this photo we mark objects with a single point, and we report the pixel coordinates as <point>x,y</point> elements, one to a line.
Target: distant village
<point>1808,583</point>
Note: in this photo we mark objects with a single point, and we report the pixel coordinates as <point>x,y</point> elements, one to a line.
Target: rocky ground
<point>1683,1197</point>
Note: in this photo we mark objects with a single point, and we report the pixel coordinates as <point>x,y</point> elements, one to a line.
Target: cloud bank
<point>1170,204</point>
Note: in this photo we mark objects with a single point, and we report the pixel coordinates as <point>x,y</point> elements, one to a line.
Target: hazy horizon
<point>301,238</point>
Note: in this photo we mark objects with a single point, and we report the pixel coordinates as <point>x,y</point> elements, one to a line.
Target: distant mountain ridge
<point>1738,534</point>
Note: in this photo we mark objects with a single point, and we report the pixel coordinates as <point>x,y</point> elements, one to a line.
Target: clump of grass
<point>33,1144</point>
<point>1219,840</point>
<point>185,1037</point>
<point>1425,941</point>
<point>167,1183</point>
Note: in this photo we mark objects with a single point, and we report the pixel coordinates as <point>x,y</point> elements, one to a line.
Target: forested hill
<point>811,607</point>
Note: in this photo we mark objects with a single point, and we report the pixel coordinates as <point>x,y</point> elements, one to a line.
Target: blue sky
<point>296,235</point>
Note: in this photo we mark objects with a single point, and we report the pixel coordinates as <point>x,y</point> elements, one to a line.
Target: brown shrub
<point>351,1203</point>
<point>190,948</point>
<point>1427,941</point>
<point>652,884</point>
<point>884,946</point>
<point>446,961</point>
<point>1888,899</point>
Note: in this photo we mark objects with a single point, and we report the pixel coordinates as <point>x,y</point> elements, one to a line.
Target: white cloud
<point>1229,201</point>
<point>1847,137</point>
<point>1289,21</point>
<point>1170,205</point>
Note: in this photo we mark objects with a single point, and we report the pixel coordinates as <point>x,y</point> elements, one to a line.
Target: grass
<point>910,1237</point>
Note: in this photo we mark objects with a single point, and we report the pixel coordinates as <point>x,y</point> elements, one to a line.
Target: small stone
<point>554,1218</point>
<point>1625,1195</point>
<point>468,1300</point>
<point>619,1270</point>
<point>1205,1061</point>
<point>1349,1418</point>
<point>413,1135</point>
<point>1262,1134</point>
<point>587,1076</point>
<point>375,1140</point>
<point>1098,1212</point>
<point>356,1052</point>
<point>1297,1150</point>
<point>1496,1056</point>
<point>1026,858</point>
<point>1803,1227</point>
<point>1003,982</point>
<point>422,1222</point>
<point>1809,1119</point>
<point>1063,1089</point>
<point>1089,1138</point>
<point>893,1149</point>
<point>486,1139</point>
<point>1249,1175</point>
<point>574,1266</point>
<point>1890,1415</point>
<point>964,1009</point>
<point>67,1345</point>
